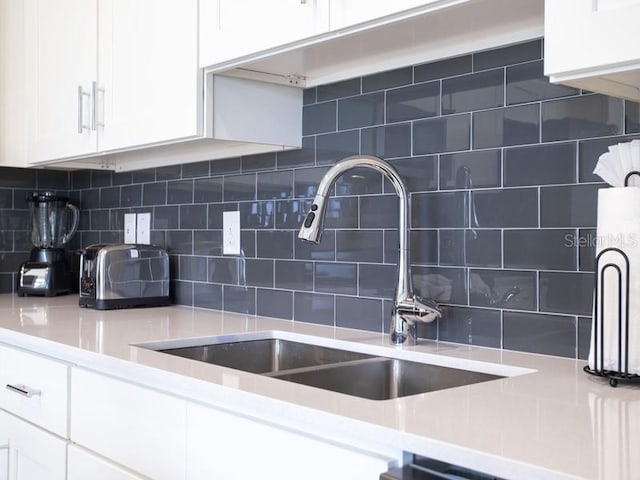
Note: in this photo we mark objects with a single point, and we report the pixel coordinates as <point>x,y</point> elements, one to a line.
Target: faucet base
<point>403,332</point>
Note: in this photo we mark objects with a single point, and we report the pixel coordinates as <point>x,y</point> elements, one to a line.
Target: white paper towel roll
<point>618,227</point>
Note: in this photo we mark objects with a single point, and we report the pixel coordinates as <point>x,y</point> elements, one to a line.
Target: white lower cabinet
<point>4,447</point>
<point>134,426</point>
<point>30,453</point>
<point>224,445</point>
<point>34,387</point>
<point>84,465</point>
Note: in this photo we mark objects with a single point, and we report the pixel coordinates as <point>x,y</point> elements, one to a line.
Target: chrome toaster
<point>124,276</point>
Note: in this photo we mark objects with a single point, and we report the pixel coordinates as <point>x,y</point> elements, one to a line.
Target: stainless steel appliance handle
<point>23,390</point>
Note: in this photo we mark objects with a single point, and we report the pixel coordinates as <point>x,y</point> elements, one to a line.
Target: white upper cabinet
<point>345,13</point>
<point>61,61</point>
<point>368,37</point>
<point>594,45</point>
<point>230,29</point>
<point>12,89</point>
<point>148,77</point>
<point>111,74</point>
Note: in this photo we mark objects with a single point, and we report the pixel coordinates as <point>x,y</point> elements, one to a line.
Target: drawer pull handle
<point>23,390</point>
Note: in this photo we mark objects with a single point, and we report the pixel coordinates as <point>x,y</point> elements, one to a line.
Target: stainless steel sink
<point>344,371</point>
<point>266,355</point>
<point>383,378</point>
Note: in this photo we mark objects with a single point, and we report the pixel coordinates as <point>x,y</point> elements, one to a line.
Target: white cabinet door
<point>13,145</point>
<point>148,75</point>
<point>33,454</point>
<point>83,465</point>
<point>596,40</point>
<point>345,13</point>
<point>222,445</point>
<point>4,447</point>
<point>4,462</point>
<point>61,67</point>
<point>134,426</point>
<point>230,29</point>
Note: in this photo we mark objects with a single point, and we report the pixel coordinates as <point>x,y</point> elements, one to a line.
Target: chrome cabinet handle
<point>81,94</point>
<point>94,95</point>
<point>23,390</point>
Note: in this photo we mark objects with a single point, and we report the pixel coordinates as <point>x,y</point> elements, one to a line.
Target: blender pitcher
<point>51,228</point>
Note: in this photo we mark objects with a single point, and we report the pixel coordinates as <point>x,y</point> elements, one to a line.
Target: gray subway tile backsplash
<point>413,102</point>
<point>544,249</point>
<point>581,117</point>
<point>566,292</point>
<point>239,187</point>
<point>331,91</point>
<point>543,164</point>
<point>474,169</point>
<point>442,69</point>
<point>319,118</point>
<point>258,272</point>
<point>359,246</point>
<point>507,126</point>
<point>510,289</point>
<point>387,79</point>
<point>379,211</point>
<point>440,210</point>
<point>377,280</point>
<point>193,217</point>
<point>471,326</point>
<point>504,206</point>
<point>526,83</point>
<point>239,299</point>
<point>360,313</point>
<point>390,141</point>
<point>361,111</point>
<point>334,146</point>
<point>512,54</point>
<point>476,91</point>
<point>314,308</point>
<point>441,134</point>
<point>274,303</point>
<point>540,333</point>
<point>336,278</point>
<point>152,194</point>
<point>569,205</point>
<point>294,275</point>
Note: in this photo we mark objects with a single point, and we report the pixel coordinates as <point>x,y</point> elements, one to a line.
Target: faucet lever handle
<point>418,309</point>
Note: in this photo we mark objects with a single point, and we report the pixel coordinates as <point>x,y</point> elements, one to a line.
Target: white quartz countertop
<point>551,420</point>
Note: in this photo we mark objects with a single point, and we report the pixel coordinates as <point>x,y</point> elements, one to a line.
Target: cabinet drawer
<point>137,427</point>
<point>34,388</point>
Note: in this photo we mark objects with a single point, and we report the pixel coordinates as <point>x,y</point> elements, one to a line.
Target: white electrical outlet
<point>143,228</point>
<point>231,233</point>
<point>129,228</point>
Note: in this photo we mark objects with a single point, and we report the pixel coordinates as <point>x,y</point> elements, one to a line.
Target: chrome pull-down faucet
<point>409,308</point>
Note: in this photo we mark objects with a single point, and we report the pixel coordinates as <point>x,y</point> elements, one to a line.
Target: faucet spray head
<point>313,225</point>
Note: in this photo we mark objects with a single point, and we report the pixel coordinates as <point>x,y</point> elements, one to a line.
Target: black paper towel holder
<point>621,374</point>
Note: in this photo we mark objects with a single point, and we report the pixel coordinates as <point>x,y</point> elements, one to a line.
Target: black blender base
<point>44,279</point>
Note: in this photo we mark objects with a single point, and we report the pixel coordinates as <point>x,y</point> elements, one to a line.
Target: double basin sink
<point>349,372</point>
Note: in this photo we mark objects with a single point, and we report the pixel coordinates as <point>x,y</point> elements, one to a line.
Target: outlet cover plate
<point>231,233</point>
<point>129,228</point>
<point>143,229</point>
